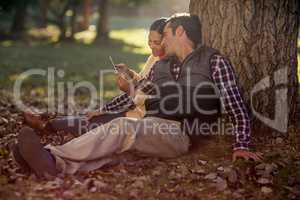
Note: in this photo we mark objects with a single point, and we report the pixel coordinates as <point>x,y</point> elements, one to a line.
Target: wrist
<point>241,149</point>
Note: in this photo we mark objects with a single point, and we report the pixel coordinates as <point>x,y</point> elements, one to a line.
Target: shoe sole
<point>19,159</point>
<point>33,152</point>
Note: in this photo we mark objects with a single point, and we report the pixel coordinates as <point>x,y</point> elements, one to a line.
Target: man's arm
<point>224,77</point>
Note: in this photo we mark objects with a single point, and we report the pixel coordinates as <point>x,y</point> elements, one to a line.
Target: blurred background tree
<point>18,9</point>
<point>76,36</point>
<point>70,16</point>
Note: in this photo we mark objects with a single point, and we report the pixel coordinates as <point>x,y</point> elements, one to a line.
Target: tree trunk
<point>19,19</point>
<point>62,28</point>
<point>73,22</point>
<point>62,22</point>
<point>86,14</point>
<point>260,39</point>
<point>102,26</point>
<point>44,6</point>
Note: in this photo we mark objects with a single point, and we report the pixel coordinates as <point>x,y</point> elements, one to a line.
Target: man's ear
<point>179,30</point>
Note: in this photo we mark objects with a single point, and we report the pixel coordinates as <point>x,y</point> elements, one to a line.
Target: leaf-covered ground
<point>205,173</point>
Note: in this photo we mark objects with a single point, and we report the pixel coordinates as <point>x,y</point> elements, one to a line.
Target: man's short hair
<point>190,23</point>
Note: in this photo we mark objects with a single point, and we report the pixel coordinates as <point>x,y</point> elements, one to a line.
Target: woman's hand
<point>122,67</point>
<point>123,84</point>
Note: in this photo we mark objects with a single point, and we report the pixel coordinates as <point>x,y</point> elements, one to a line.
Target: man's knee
<point>123,122</point>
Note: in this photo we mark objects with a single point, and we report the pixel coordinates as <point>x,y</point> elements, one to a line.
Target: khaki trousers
<point>151,135</point>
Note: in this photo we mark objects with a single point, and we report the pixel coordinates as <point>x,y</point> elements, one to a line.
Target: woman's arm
<point>147,67</point>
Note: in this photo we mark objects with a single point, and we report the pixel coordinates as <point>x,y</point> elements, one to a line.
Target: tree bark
<point>260,39</point>
<point>19,19</point>
<point>102,26</point>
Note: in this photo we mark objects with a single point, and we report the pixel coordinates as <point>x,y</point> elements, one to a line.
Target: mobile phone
<point>113,64</point>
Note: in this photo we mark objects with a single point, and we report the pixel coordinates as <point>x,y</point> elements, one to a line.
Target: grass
<point>81,61</point>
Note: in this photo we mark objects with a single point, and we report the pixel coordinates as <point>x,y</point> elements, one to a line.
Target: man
<point>162,132</point>
<point>180,39</point>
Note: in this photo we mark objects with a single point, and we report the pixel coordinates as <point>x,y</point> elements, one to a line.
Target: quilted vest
<point>192,96</point>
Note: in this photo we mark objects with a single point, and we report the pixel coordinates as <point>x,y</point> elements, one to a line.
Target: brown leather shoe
<point>40,160</point>
<point>34,121</point>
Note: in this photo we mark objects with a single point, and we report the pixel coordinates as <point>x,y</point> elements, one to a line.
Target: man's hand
<point>246,155</point>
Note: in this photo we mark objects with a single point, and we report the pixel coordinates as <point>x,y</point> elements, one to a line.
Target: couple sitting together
<point>183,82</point>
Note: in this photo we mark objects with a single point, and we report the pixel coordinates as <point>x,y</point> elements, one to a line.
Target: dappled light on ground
<point>79,61</point>
<point>298,58</point>
<point>135,37</point>
<point>7,43</point>
<point>50,34</point>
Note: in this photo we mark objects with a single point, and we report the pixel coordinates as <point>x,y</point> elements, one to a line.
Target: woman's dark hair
<point>159,25</point>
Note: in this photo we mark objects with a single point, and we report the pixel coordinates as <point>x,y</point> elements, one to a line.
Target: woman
<point>79,125</point>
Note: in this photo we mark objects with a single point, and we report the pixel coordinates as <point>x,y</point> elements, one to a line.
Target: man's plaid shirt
<point>224,78</point>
